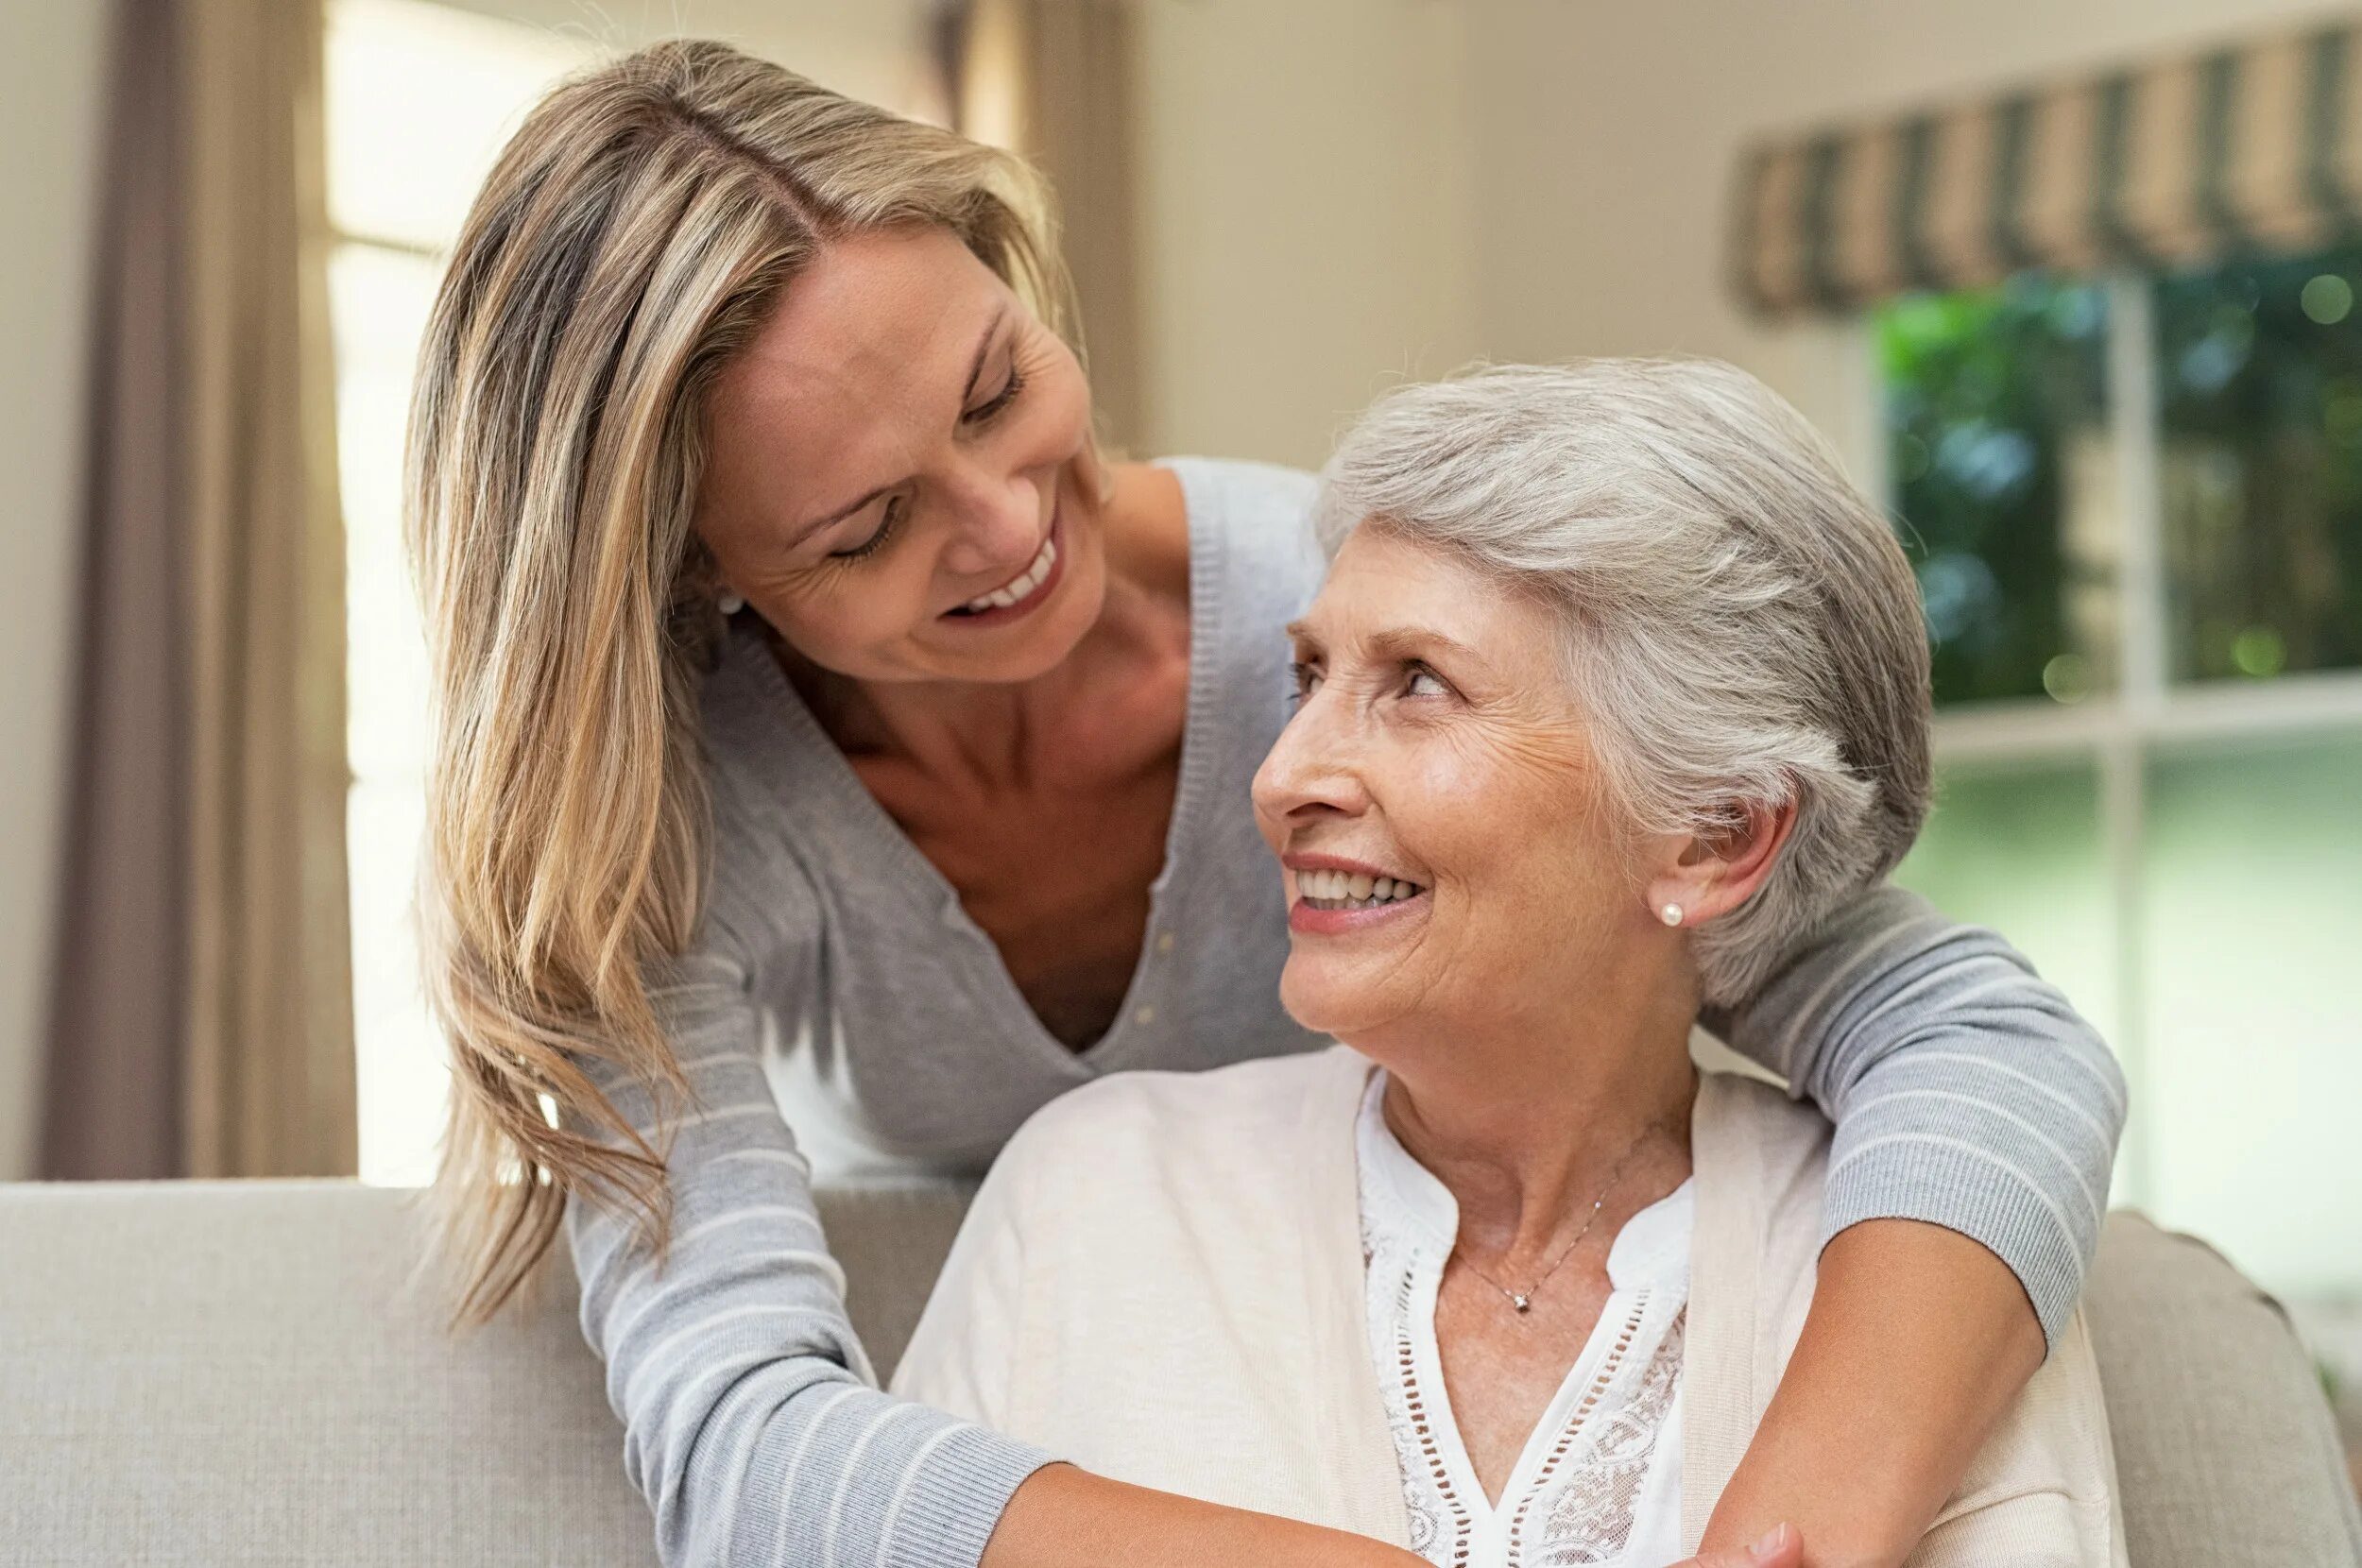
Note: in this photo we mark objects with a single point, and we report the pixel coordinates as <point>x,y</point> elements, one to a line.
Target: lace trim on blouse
<point>1598,1482</point>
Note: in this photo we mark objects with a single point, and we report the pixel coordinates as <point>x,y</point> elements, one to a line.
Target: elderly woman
<point>1615,691</point>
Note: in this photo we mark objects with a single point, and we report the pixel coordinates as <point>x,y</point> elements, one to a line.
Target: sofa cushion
<point>207,1374</point>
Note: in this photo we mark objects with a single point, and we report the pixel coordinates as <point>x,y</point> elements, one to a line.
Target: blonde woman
<point>827,736</point>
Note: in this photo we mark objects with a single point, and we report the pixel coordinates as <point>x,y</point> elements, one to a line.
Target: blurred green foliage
<point>1995,410</point>
<point>2259,371</point>
<point>1984,391</point>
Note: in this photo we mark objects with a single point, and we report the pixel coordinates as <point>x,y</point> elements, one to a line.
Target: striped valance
<point>2249,147</point>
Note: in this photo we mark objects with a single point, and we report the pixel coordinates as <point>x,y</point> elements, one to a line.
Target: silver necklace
<point>1523,1300</point>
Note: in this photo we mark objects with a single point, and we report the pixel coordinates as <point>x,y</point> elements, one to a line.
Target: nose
<point>997,524</point>
<point>1312,772</point>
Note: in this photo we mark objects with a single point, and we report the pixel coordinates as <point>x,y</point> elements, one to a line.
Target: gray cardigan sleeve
<point>752,1420</point>
<point>1966,1091</point>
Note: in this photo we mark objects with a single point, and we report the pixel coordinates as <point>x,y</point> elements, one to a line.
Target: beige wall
<point>1303,169</point>
<point>51,65</point>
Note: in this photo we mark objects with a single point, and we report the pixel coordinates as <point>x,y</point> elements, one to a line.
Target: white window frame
<point>2118,733</point>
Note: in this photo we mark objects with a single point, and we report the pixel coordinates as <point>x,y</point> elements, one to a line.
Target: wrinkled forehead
<point>1385,587</point>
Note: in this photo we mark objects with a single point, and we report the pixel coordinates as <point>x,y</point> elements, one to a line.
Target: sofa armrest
<point>2225,1451</point>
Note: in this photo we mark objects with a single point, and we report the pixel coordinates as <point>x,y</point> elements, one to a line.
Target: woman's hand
<point>1063,1517</point>
<point>1780,1547</point>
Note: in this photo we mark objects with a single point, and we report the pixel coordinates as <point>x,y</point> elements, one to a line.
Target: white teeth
<point>1022,587</point>
<point>1353,890</point>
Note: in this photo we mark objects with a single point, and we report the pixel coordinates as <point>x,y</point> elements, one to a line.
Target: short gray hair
<point>1740,624</point>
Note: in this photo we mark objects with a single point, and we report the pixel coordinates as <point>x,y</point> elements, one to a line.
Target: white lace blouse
<point>1599,1480</point>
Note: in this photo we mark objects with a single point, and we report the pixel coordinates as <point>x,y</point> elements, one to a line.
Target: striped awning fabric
<point>2256,147</point>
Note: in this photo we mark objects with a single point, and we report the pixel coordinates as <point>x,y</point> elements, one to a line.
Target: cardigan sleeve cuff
<point>950,1499</point>
<point>1976,1195</point>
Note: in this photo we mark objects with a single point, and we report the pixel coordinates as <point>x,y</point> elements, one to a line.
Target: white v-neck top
<point>1599,1480</point>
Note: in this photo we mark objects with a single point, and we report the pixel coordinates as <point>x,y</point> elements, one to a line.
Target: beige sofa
<point>206,1373</point>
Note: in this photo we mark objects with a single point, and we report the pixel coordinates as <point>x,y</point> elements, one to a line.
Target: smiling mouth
<point>1339,889</point>
<point>1021,589</point>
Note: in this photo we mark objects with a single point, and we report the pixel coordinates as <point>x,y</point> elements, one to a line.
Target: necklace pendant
<point>1523,1303</point>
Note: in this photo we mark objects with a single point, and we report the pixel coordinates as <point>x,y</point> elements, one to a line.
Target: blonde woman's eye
<point>992,408</point>
<point>1424,683</point>
<point>887,523</point>
<point>1305,679</point>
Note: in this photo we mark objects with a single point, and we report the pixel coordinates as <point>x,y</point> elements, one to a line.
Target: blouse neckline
<point>1652,1248</point>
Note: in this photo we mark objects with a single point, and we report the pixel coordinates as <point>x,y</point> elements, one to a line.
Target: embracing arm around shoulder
<point>1977,1120</point>
<point>753,1422</point>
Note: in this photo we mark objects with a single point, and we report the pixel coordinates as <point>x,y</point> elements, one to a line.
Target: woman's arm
<point>1976,1120</point>
<point>1068,1518</point>
<point>752,1421</point>
<point>1917,1343</point>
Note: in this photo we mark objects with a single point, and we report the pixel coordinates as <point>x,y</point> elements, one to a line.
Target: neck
<point>1526,1118</point>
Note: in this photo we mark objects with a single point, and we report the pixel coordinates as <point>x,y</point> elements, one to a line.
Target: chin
<point>1065,624</point>
<point>1326,1001</point>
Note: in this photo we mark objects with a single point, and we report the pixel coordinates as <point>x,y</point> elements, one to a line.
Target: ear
<point>1712,874</point>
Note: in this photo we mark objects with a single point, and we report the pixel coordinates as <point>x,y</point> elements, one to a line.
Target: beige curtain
<point>1053,80</point>
<point>242,1064</point>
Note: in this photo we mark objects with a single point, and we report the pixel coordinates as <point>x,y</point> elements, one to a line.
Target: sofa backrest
<point>204,1374</point>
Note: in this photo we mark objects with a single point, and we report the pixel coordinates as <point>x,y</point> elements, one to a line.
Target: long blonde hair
<point>636,233</point>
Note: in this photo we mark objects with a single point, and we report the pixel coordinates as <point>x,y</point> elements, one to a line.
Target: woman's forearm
<point>1063,1517</point>
<point>1917,1343</point>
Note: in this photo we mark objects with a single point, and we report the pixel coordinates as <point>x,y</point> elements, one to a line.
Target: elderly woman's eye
<point>1425,682</point>
<point>1304,679</point>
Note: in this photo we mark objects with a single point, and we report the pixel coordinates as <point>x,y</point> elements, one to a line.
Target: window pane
<point>378,302</point>
<point>2260,378</point>
<point>2020,850</point>
<point>420,97</point>
<point>1996,425</point>
<point>2254,1007</point>
<point>400,1074</point>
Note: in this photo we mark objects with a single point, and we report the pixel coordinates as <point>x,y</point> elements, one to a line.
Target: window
<point>2134,506</point>
<point>420,99</point>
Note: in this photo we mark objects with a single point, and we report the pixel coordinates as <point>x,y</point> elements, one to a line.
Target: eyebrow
<point>1397,641</point>
<point>975,368</point>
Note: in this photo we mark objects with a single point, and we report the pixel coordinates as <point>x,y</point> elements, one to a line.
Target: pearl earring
<point>730,603</point>
<point>1670,914</point>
